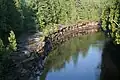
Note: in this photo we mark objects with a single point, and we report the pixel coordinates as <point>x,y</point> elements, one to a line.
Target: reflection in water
<point>74,60</point>
<point>110,67</point>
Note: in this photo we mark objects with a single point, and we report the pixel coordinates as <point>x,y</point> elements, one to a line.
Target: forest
<point>20,16</point>
<point>23,16</point>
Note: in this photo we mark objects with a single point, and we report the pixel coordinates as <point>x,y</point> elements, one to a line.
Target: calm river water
<point>77,59</point>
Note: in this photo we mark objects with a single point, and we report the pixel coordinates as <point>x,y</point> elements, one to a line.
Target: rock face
<point>28,61</point>
<point>30,42</point>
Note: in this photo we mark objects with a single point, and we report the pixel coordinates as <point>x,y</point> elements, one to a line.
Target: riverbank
<point>35,41</point>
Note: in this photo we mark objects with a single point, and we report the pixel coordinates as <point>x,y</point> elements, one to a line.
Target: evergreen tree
<point>12,41</point>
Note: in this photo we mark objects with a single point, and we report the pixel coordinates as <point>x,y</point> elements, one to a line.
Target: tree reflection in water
<point>58,58</point>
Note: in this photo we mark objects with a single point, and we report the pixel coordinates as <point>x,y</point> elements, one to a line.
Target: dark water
<point>77,59</point>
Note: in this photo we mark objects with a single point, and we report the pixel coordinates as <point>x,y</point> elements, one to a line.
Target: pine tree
<point>12,41</point>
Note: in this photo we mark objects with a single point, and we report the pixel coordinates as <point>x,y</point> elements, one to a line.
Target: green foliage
<point>111,19</point>
<point>9,14</point>
<point>34,15</point>
<point>117,35</point>
<point>1,47</point>
<point>12,41</point>
<point>63,11</point>
<point>9,19</point>
<point>5,63</point>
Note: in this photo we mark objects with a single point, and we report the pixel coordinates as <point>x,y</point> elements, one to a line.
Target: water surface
<point>77,59</point>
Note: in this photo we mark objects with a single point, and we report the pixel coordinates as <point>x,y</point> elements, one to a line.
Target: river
<point>77,59</point>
